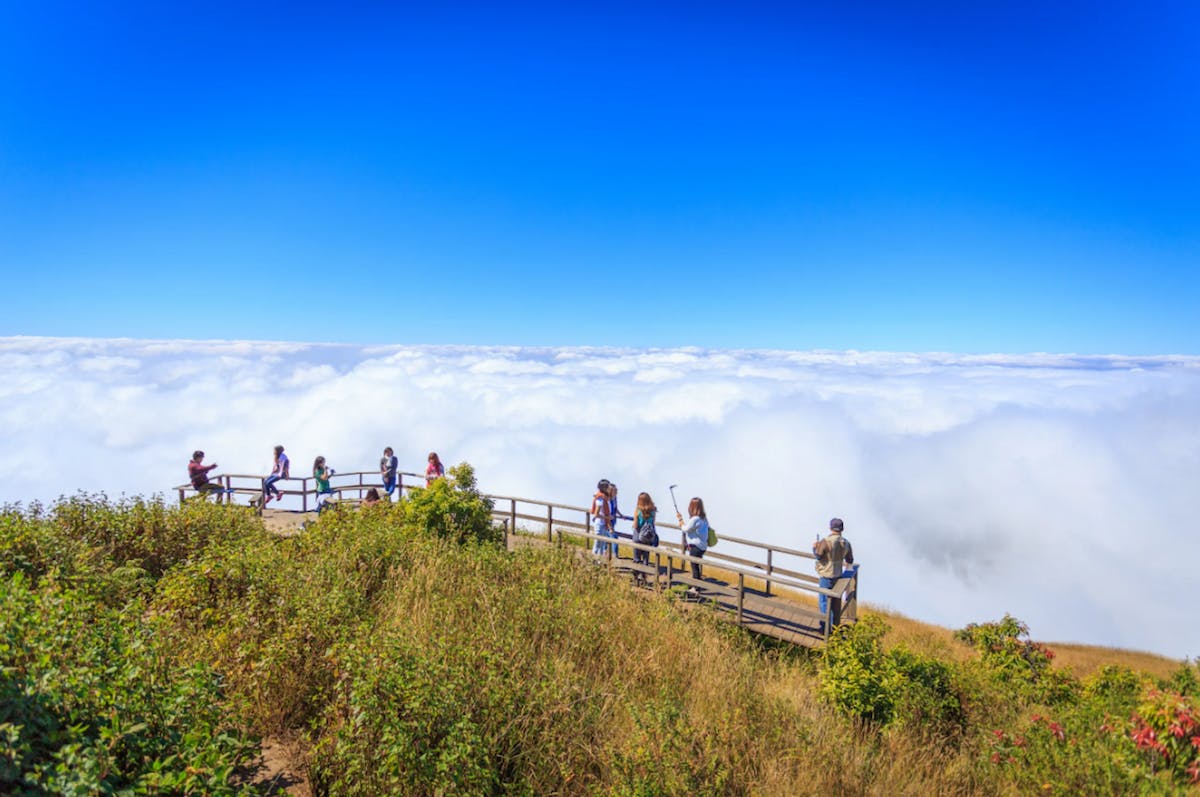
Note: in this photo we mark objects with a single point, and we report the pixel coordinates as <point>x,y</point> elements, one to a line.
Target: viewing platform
<point>756,585</point>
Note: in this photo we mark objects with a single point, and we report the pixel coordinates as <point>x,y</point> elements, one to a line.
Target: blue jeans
<point>389,484</point>
<point>269,487</point>
<point>602,548</point>
<point>823,600</point>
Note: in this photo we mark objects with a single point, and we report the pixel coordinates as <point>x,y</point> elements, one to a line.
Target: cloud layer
<point>1061,489</point>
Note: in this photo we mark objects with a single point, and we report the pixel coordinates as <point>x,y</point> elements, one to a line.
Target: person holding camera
<point>322,473</point>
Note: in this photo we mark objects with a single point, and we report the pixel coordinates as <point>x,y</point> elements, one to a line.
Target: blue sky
<point>935,177</point>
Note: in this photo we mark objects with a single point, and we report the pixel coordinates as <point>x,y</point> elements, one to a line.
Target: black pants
<point>699,554</point>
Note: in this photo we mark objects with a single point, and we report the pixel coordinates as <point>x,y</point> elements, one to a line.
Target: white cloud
<point>1059,488</point>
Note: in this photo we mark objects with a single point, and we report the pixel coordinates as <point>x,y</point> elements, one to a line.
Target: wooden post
<point>181,496</point>
<point>304,494</point>
<point>741,595</point>
<point>513,515</point>
<point>228,489</point>
<point>850,607</point>
<point>657,565</point>
<point>549,523</point>
<point>769,571</point>
<point>360,486</point>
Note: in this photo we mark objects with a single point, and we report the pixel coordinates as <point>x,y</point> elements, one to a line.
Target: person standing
<point>321,474</point>
<point>388,465</point>
<point>644,532</point>
<point>279,471</point>
<point>601,517</point>
<point>614,512</point>
<point>695,533</point>
<point>831,552</point>
<point>434,469</point>
<point>198,475</point>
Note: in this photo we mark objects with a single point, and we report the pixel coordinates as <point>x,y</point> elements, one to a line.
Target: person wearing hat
<point>831,553</point>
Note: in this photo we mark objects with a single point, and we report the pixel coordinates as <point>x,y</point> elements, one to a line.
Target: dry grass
<point>934,640</point>
<point>1084,659</point>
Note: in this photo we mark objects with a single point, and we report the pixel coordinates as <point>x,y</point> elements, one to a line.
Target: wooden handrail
<point>735,565</point>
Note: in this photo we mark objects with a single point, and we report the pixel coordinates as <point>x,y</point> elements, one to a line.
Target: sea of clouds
<point>1062,489</point>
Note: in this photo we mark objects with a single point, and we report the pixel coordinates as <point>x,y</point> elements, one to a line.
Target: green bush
<point>890,688</point>
<point>90,703</point>
<point>1008,655</point>
<point>116,550</point>
<point>452,508</point>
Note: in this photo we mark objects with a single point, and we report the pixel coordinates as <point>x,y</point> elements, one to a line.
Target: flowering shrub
<point>1166,728</point>
<point>1012,658</point>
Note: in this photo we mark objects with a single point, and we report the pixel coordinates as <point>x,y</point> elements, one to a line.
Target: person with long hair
<point>434,469</point>
<point>601,512</point>
<point>644,532</point>
<point>279,471</point>
<point>695,533</point>
<point>321,475</point>
<point>614,512</point>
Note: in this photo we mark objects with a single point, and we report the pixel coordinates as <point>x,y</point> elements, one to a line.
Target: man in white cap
<point>831,553</point>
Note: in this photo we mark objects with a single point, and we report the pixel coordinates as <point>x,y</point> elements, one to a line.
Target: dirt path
<point>279,769</point>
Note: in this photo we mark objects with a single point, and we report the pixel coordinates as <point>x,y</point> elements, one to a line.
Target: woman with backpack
<point>695,533</point>
<point>644,532</point>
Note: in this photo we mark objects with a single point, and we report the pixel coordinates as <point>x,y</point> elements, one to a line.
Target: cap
<point>836,524</point>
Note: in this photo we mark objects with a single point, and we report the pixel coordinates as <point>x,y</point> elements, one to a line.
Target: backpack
<point>712,536</point>
<point>645,532</point>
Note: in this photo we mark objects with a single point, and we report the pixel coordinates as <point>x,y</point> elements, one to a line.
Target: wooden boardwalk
<point>756,585</point>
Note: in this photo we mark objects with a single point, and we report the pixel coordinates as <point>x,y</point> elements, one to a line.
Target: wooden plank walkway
<point>729,585</point>
<point>781,617</point>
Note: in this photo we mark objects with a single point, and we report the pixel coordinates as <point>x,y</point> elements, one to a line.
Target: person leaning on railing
<point>831,553</point>
<point>601,513</point>
<point>321,474</point>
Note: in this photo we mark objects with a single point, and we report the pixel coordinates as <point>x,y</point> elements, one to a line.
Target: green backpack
<point>712,536</point>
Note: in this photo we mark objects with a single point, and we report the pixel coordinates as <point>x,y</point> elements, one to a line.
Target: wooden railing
<point>764,562</point>
<point>765,568</point>
<point>358,482</point>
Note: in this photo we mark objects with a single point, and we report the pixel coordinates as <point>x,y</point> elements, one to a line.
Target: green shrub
<point>889,688</point>
<point>90,703</point>
<point>452,508</point>
<point>116,550</point>
<point>1020,664</point>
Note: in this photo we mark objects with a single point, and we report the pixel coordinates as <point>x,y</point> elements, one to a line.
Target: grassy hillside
<point>147,648</point>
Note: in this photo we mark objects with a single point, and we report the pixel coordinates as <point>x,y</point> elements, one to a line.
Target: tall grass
<point>413,654</point>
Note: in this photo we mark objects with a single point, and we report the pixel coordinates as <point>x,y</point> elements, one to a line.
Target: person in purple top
<point>280,471</point>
